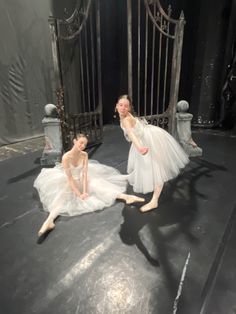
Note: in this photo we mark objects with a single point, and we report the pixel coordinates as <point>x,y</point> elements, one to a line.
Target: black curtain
<point>25,69</point>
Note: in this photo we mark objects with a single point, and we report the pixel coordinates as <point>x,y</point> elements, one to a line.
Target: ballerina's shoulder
<point>128,122</point>
<point>68,158</point>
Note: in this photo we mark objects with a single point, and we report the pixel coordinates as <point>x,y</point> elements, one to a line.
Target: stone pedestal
<point>53,141</point>
<point>184,130</point>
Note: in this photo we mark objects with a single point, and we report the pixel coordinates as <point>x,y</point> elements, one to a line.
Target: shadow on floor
<point>177,207</point>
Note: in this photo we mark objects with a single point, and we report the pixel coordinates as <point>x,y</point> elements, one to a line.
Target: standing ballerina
<point>78,186</point>
<point>155,157</point>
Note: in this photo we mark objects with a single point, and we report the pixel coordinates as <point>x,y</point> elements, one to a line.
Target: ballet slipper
<point>149,206</point>
<point>46,227</point>
<point>134,199</point>
<point>191,142</point>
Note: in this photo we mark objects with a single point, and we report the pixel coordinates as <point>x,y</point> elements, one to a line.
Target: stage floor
<point>178,258</point>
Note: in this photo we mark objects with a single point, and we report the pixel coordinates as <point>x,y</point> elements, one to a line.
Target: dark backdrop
<point>25,68</point>
<point>26,60</point>
<point>207,42</point>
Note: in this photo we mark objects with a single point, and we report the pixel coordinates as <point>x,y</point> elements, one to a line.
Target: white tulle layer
<point>162,163</point>
<point>104,185</point>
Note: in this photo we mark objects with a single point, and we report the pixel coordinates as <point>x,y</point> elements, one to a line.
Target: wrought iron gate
<point>76,48</point>
<point>154,61</point>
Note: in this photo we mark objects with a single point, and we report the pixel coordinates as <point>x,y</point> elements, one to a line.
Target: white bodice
<point>76,171</point>
<point>138,129</point>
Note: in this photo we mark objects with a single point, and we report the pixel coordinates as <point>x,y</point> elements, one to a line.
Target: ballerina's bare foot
<point>47,226</point>
<point>134,199</point>
<point>149,206</point>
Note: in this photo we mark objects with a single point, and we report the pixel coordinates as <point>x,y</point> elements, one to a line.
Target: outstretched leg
<point>48,224</point>
<point>130,199</point>
<point>154,201</point>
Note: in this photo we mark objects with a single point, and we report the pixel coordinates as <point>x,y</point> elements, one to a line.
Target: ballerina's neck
<point>133,121</point>
<point>75,159</point>
<point>75,154</point>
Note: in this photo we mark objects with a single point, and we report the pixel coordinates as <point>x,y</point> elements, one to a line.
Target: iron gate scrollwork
<point>155,42</point>
<point>154,61</point>
<point>76,48</point>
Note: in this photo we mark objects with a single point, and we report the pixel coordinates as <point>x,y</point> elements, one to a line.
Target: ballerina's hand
<point>83,196</point>
<point>143,150</point>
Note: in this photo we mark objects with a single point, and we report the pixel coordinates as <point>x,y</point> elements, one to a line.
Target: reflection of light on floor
<point>79,268</point>
<point>120,294</point>
<point>111,287</point>
<point>116,290</point>
<point>175,306</point>
<point>73,274</point>
<point>85,263</point>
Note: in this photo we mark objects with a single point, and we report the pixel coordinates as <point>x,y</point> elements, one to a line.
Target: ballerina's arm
<point>73,184</point>
<point>127,123</point>
<point>85,177</point>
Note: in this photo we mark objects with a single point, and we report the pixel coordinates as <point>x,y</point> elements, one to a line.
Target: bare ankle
<point>47,226</point>
<point>149,206</point>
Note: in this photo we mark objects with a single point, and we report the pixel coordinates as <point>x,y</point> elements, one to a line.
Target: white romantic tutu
<point>104,184</point>
<point>163,161</point>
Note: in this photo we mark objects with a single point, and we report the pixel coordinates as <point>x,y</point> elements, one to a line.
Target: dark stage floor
<point>179,258</point>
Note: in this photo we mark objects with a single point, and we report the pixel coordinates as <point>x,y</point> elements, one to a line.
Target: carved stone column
<point>184,130</point>
<point>53,140</point>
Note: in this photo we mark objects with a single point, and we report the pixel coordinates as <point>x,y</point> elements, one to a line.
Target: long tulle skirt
<point>104,185</point>
<point>162,163</point>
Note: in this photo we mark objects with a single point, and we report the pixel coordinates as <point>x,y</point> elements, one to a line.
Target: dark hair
<point>79,135</point>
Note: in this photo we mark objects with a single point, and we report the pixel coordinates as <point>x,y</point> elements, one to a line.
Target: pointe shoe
<point>149,206</point>
<point>134,199</point>
<point>46,227</point>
